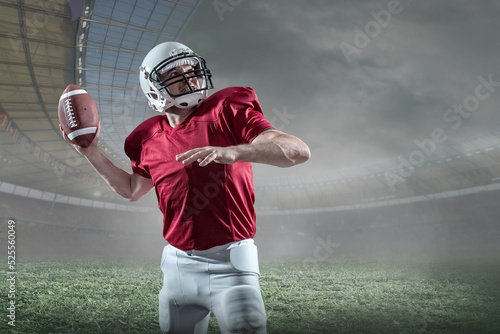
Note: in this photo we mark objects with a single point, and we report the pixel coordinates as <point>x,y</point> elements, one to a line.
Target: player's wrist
<point>244,153</point>
<point>91,153</point>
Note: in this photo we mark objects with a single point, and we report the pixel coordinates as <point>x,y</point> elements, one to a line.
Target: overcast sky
<point>359,81</point>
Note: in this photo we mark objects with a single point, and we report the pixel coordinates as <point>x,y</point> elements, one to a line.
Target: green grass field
<point>343,296</point>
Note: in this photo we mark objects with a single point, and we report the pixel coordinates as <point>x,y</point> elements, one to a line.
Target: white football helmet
<point>161,59</point>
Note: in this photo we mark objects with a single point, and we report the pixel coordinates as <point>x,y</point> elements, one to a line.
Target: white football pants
<point>223,280</point>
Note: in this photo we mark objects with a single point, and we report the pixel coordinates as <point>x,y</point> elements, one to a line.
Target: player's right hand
<point>85,151</point>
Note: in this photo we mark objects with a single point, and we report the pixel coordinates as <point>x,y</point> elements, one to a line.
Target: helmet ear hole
<point>153,96</point>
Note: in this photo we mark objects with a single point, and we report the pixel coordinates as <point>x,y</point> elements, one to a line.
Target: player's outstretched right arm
<point>130,186</point>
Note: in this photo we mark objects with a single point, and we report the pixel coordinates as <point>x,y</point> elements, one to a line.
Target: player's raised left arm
<point>271,147</point>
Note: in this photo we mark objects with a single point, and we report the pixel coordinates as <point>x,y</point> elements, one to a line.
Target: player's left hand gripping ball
<point>78,115</point>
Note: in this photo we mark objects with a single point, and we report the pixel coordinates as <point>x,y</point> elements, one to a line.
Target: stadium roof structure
<point>99,45</point>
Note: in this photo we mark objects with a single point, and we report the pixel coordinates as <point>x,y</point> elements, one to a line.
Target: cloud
<point>395,90</point>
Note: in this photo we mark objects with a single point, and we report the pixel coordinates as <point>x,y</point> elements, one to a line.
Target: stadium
<point>399,243</point>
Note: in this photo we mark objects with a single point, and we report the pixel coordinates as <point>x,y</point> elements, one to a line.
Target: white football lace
<point>70,114</point>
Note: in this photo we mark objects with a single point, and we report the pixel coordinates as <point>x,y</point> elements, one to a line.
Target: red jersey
<point>206,206</point>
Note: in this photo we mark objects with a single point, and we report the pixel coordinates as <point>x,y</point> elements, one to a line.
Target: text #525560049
<point>11,273</point>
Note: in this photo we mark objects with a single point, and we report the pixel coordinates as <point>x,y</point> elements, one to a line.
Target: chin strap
<point>182,102</point>
<point>189,101</point>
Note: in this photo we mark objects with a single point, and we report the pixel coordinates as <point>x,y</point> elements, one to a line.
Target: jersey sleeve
<point>133,149</point>
<point>244,112</point>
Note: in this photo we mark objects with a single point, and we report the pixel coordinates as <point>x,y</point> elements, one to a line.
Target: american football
<point>78,115</point>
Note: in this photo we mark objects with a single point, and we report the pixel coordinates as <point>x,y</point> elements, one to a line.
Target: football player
<point>197,155</point>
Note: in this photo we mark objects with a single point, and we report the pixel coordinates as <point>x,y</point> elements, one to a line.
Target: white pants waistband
<point>214,249</point>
